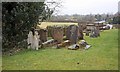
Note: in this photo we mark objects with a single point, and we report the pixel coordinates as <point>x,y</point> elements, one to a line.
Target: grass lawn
<point>103,55</point>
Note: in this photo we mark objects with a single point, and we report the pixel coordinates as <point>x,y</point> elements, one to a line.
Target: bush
<point>18,18</point>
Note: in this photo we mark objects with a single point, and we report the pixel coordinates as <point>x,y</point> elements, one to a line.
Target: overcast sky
<point>88,6</point>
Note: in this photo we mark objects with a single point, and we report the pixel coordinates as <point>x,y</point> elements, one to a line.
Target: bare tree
<point>54,5</point>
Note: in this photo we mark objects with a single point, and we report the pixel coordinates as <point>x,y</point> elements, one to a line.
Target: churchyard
<point>102,55</point>
<point>53,35</point>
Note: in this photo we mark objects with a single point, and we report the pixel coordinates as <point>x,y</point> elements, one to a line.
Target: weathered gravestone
<point>84,44</point>
<point>92,34</point>
<point>57,34</point>
<point>68,32</point>
<point>73,47</point>
<point>87,33</point>
<point>95,32</point>
<point>63,44</point>
<point>29,39</point>
<point>33,39</point>
<point>72,34</point>
<point>80,32</point>
<point>49,30</point>
<point>48,43</point>
<point>43,35</point>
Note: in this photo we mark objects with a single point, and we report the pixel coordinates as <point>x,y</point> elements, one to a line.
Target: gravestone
<point>68,32</point>
<point>87,33</point>
<point>48,43</point>
<point>29,39</point>
<point>43,35</point>
<point>74,34</point>
<point>33,40</point>
<point>73,47</point>
<point>63,44</point>
<point>95,32</point>
<point>49,31</point>
<point>84,44</point>
<point>80,32</point>
<point>57,34</point>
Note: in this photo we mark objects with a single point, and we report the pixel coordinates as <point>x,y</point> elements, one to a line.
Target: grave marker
<point>57,34</point>
<point>43,35</point>
<point>74,34</point>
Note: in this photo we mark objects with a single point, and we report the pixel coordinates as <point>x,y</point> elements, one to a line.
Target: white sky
<point>88,6</point>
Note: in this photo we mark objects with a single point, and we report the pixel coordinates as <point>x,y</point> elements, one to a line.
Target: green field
<point>103,55</point>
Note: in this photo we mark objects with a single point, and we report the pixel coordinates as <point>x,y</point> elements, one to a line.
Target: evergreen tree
<point>18,18</point>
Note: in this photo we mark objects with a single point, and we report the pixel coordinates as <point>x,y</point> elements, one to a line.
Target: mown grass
<point>103,55</point>
<point>0,61</point>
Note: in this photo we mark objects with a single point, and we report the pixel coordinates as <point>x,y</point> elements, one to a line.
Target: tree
<point>18,18</point>
<point>116,20</point>
<point>98,17</point>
